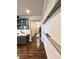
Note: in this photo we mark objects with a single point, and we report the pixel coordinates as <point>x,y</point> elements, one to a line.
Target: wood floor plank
<point>34,50</point>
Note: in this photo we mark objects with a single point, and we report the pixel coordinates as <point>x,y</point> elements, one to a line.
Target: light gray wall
<point>53,28</point>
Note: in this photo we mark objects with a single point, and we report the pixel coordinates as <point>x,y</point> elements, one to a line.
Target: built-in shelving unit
<point>23,31</point>
<point>22,23</point>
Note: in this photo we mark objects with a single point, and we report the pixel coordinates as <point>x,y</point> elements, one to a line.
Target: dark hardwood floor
<point>33,50</point>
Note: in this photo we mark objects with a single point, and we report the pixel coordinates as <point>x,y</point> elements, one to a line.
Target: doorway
<point>35,26</point>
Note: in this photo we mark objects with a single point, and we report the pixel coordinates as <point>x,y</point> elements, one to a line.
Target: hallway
<point>39,17</point>
<point>33,50</point>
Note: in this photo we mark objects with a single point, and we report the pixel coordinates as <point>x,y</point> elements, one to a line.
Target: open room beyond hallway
<point>39,29</point>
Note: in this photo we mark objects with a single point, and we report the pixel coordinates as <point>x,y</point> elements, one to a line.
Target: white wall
<point>35,24</point>
<point>53,28</point>
<point>48,5</point>
<point>50,49</point>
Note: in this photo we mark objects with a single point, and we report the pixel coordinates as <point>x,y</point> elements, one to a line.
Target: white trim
<point>32,17</point>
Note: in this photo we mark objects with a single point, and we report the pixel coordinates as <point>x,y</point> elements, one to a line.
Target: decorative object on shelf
<point>17,16</point>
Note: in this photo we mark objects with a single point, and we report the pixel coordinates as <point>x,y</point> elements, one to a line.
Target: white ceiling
<point>35,7</point>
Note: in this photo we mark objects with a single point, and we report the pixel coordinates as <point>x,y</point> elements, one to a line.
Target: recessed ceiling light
<point>27,11</point>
